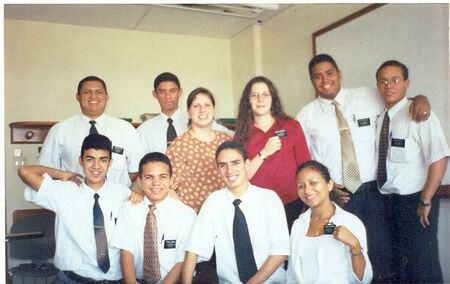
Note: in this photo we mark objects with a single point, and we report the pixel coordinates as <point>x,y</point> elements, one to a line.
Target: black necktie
<point>93,129</point>
<point>382,151</point>
<point>242,245</point>
<point>171,132</point>
<point>100,237</point>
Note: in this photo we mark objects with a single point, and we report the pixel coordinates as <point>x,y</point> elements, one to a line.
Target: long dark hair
<point>245,115</point>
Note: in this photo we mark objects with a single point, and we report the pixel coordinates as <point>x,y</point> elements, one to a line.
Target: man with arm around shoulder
<point>85,213</point>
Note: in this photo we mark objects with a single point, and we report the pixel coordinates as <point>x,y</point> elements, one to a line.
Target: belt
<point>86,280</point>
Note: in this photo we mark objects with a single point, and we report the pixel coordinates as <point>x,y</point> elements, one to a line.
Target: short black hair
<point>155,157</point>
<point>164,77</point>
<point>97,142</point>
<point>395,63</point>
<point>319,59</point>
<point>90,78</point>
<point>232,145</point>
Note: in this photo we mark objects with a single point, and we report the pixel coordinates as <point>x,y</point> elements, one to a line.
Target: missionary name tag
<point>170,244</point>
<point>363,122</point>
<point>398,142</point>
<point>117,150</point>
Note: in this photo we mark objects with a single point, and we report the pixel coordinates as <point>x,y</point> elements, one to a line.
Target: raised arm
<point>358,260</point>
<point>420,108</point>
<point>272,146</point>
<point>33,175</point>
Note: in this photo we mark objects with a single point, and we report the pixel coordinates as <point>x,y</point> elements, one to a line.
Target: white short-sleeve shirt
<point>266,221</point>
<point>174,220</point>
<point>333,258</point>
<point>74,228</point>
<point>413,147</point>
<point>153,132</point>
<point>361,108</point>
<point>62,146</point>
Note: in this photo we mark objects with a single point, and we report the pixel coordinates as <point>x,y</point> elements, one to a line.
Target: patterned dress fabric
<point>194,167</point>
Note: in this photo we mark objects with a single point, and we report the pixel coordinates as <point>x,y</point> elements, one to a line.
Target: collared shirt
<point>334,264</point>
<point>74,230</point>
<point>413,147</point>
<point>62,146</point>
<point>267,228</point>
<point>153,132</point>
<point>277,172</point>
<point>361,107</point>
<point>174,220</point>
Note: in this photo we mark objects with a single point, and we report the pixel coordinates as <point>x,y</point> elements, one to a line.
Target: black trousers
<point>415,249</point>
<point>368,205</point>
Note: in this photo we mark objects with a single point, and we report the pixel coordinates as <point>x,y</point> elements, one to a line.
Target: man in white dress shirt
<point>153,132</point>
<point>412,158</point>
<point>77,247</point>
<point>214,229</point>
<point>62,145</point>
<point>174,221</point>
<point>360,108</point>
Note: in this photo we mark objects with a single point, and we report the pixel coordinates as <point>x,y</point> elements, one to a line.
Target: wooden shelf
<point>34,132</point>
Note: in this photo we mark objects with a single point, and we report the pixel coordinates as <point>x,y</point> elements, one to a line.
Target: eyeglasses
<point>394,81</point>
<point>264,95</point>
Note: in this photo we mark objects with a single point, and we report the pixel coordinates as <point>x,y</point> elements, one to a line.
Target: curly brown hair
<point>245,115</point>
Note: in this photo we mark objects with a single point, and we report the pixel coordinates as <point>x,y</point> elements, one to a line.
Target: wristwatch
<point>424,204</point>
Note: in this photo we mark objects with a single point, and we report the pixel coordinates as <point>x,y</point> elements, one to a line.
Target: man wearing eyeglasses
<point>339,126</point>
<point>412,158</point>
<point>62,145</point>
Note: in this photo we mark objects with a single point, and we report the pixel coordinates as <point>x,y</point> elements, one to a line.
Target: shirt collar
<point>175,116</point>
<point>246,196</point>
<point>395,108</point>
<point>160,205</point>
<point>99,119</point>
<point>340,99</point>
<point>88,190</point>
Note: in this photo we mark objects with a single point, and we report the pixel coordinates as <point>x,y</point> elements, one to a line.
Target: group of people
<point>375,168</point>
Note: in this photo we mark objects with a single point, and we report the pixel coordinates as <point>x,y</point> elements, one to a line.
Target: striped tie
<point>382,151</point>
<point>350,171</point>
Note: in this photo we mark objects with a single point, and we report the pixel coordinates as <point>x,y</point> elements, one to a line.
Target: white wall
<point>44,62</point>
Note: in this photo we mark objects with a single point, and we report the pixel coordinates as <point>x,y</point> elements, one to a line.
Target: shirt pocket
<point>403,150</point>
<point>365,128</point>
<point>168,256</point>
<point>119,161</point>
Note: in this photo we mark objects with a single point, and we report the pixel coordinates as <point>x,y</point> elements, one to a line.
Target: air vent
<point>243,11</point>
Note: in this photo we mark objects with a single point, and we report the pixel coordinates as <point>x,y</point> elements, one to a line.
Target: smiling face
<point>233,170</point>
<point>201,111</point>
<point>168,94</point>
<point>95,164</point>
<point>260,99</point>
<point>312,188</point>
<point>92,98</point>
<point>391,85</point>
<point>155,180</point>
<point>326,80</point>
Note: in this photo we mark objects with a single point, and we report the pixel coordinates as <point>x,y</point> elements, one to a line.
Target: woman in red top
<point>275,143</point>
